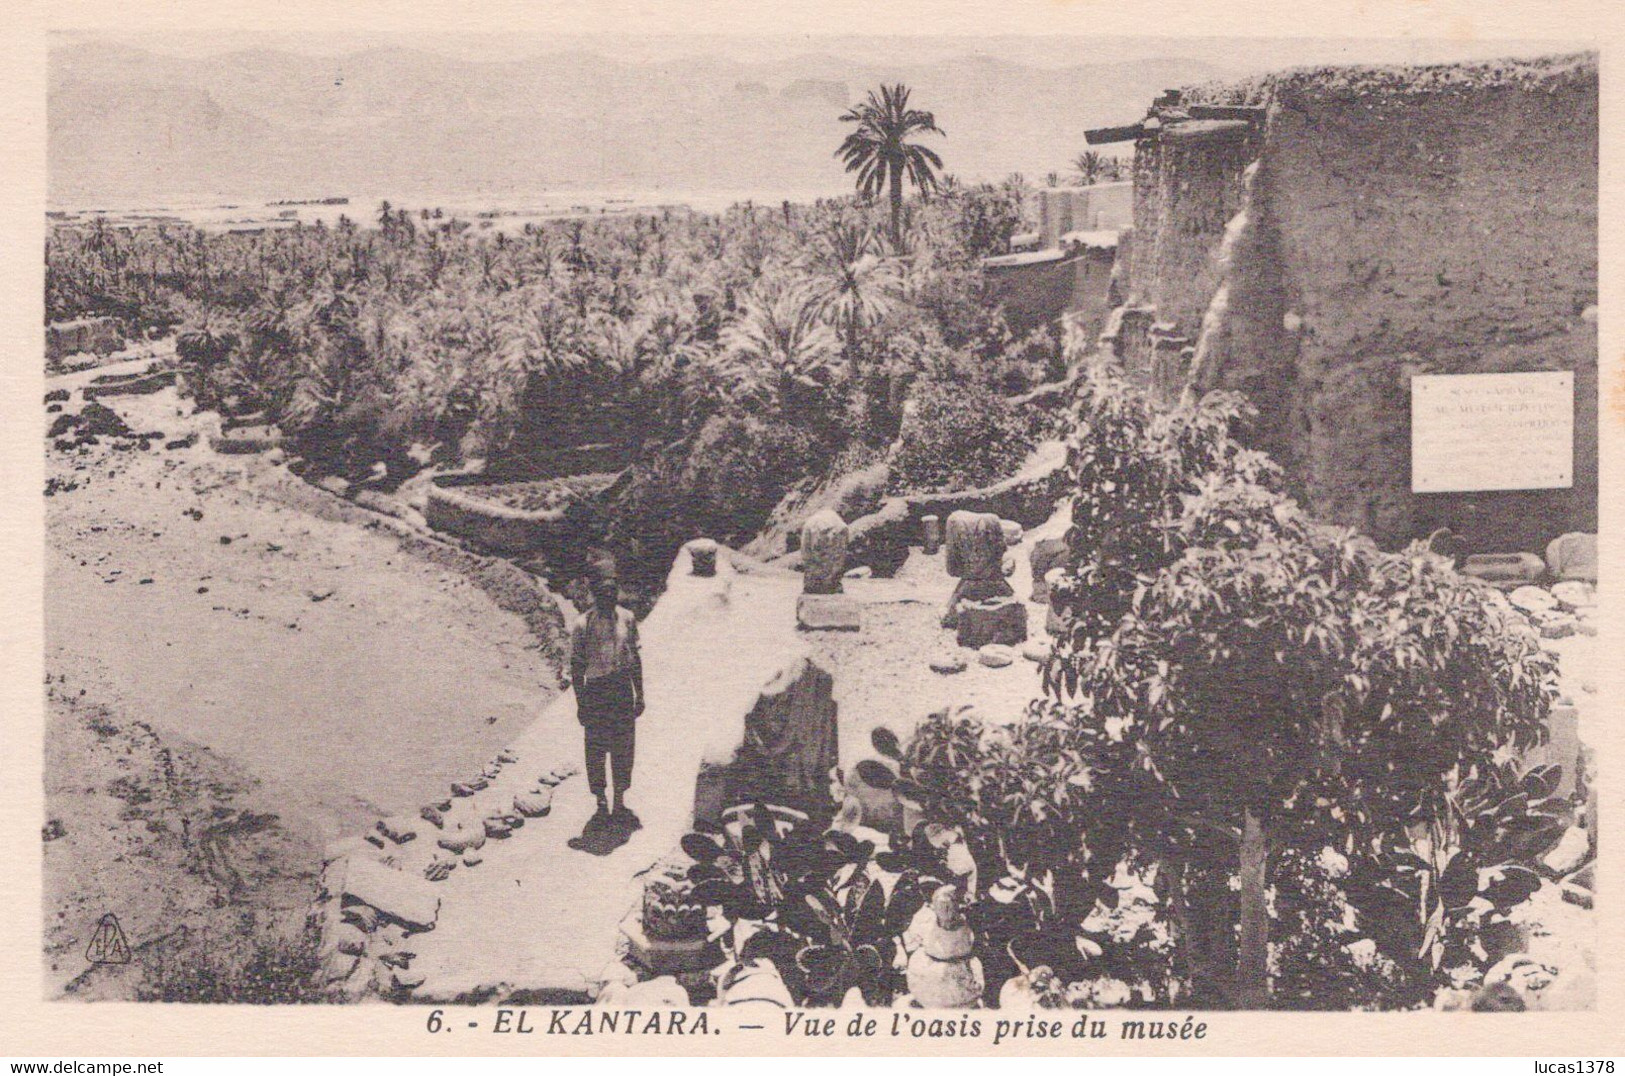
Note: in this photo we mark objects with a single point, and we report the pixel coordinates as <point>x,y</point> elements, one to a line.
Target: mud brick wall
<point>1384,223</point>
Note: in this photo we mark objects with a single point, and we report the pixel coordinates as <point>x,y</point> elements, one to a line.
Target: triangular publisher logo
<point>107,945</point>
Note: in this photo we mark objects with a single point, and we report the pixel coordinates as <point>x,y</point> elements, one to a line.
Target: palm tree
<point>1091,165</point>
<point>852,286</point>
<point>880,152</point>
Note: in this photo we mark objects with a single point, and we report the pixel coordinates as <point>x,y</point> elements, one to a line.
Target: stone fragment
<point>362,916</point>
<point>828,612</point>
<point>398,830</point>
<point>1571,852</point>
<point>1573,556</point>
<point>996,656</point>
<point>497,827</point>
<point>948,664</point>
<point>1556,625</point>
<point>406,978</point>
<point>1532,599</point>
<point>433,817</point>
<point>786,749</point>
<point>461,840</point>
<point>439,870</point>
<point>1013,531</point>
<point>823,552</point>
<point>1572,594</point>
<point>1037,650</point>
<point>397,896</point>
<point>472,860</point>
<point>992,620</point>
<point>702,557</point>
<point>1047,555</point>
<point>350,939</point>
<point>1504,570</point>
<point>337,967</point>
<point>930,534</point>
<point>975,545</point>
<point>534,804</point>
<point>942,973</point>
<point>862,571</point>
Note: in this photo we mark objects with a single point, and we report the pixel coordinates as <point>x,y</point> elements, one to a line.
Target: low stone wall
<point>97,335</point>
<point>129,384</point>
<point>881,539</point>
<point>485,523</point>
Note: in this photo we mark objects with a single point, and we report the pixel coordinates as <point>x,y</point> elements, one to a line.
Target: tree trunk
<point>897,211</point>
<point>1252,964</point>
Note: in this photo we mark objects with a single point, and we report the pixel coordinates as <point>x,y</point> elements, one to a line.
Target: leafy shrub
<point>273,970</point>
<point>723,483</point>
<point>958,436</point>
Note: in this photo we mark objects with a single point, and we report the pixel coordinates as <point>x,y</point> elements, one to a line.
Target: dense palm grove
<point>733,355</point>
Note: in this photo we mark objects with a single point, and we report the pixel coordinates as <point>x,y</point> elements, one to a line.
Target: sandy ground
<point>332,673</point>
<point>882,673</point>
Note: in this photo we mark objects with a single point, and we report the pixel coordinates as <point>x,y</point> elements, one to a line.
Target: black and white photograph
<point>700,530</point>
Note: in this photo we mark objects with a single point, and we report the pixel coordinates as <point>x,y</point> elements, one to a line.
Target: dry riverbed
<point>238,671</point>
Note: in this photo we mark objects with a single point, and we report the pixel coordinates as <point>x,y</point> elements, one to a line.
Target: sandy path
<point>536,913</point>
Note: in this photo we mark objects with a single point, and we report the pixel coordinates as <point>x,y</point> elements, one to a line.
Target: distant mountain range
<point>129,126</point>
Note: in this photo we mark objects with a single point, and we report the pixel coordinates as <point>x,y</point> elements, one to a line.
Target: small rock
<point>1532,599</point>
<point>702,557</point>
<point>53,830</point>
<point>1037,650</point>
<point>862,571</point>
<point>1572,594</point>
<point>352,940</point>
<point>472,860</point>
<point>406,978</point>
<point>363,916</point>
<point>1555,625</point>
<point>1571,851</point>
<point>948,664</point>
<point>433,817</point>
<point>996,655</point>
<point>337,967</point>
<point>397,896</point>
<point>439,870</point>
<point>1013,532</point>
<point>1577,894</point>
<point>497,827</point>
<point>534,804</point>
<point>397,830</point>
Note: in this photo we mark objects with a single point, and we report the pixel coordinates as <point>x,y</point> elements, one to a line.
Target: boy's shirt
<point>602,645</point>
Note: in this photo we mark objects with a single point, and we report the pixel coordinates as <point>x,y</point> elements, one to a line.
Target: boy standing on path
<point>606,672</point>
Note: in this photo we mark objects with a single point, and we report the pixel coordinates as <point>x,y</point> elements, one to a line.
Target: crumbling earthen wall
<point>1396,222</point>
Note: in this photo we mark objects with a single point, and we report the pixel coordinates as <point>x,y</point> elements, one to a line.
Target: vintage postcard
<point>1052,531</point>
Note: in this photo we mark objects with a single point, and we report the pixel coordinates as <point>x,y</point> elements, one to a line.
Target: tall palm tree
<point>880,152</point>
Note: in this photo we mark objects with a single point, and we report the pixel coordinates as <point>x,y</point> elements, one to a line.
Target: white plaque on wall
<point>1492,432</point>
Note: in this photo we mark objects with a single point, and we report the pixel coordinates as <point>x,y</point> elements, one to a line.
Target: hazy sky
<point>1242,55</point>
